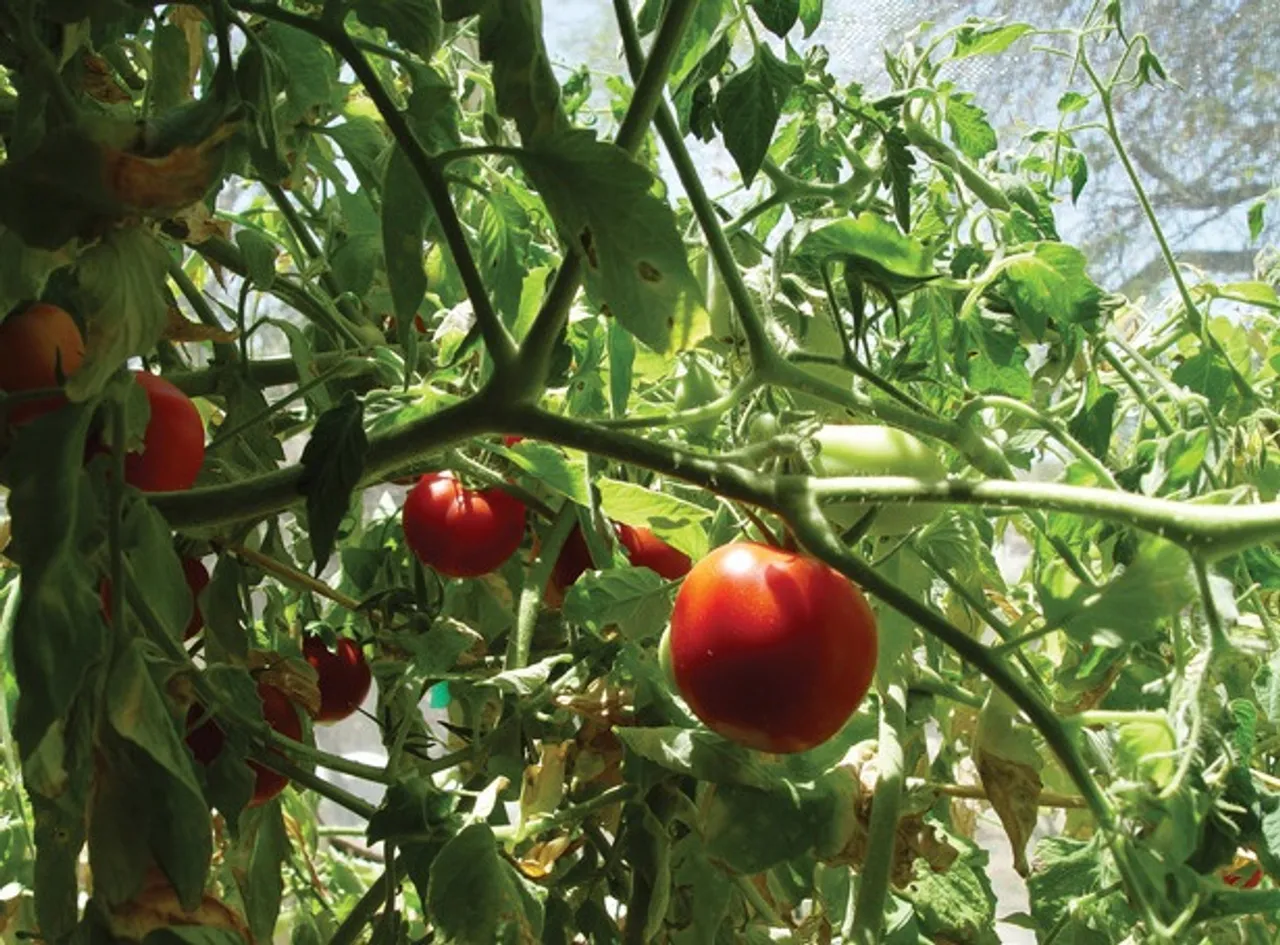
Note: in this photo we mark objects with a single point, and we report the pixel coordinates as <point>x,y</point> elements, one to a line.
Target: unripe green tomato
<point>664,657</point>
<point>724,320</point>
<point>868,450</point>
<point>697,387</point>
<point>762,427</point>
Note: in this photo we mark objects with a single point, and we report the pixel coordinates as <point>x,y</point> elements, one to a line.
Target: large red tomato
<point>644,550</point>
<point>344,677</point>
<point>458,531</point>
<point>206,739</point>
<point>173,445</point>
<point>771,649</point>
<point>34,345</point>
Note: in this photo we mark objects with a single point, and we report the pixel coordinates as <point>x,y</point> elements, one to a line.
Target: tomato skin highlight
<point>461,532</point>
<point>206,740</point>
<point>34,345</point>
<point>771,649</point>
<point>344,677</point>
<point>173,445</point>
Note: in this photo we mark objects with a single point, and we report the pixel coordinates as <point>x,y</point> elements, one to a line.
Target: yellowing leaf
<point>1009,767</point>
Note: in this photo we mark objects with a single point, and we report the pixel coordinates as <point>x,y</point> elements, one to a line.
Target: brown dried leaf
<point>543,786</point>
<point>177,328</point>
<point>99,81</point>
<point>916,839</point>
<point>294,677</point>
<point>161,186</point>
<point>196,223</point>
<point>157,907</point>
<point>1009,767</point>
<point>541,858</point>
<point>190,20</point>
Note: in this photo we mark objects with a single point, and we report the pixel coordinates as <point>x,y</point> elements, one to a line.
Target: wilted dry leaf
<point>157,907</point>
<point>161,186</point>
<point>541,858</point>
<point>294,677</point>
<point>178,328</point>
<point>543,786</point>
<point>1009,767</point>
<point>99,81</point>
<point>196,223</point>
<point>916,839</point>
<point>190,20</point>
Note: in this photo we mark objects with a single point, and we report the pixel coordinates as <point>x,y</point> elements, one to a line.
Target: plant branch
<point>882,832</point>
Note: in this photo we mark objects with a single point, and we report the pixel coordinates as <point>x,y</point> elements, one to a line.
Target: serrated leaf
<point>632,253</point>
<point>121,285</point>
<point>169,84</point>
<point>24,269</point>
<point>700,754</point>
<point>527,680</point>
<point>563,473</point>
<point>636,599</point>
<point>873,248</point>
<point>899,167</point>
<point>810,15</point>
<point>1050,283</point>
<point>414,25</point>
<point>778,16</point>
<point>406,212</point>
<point>524,85</point>
<point>973,41</point>
<point>474,895</point>
<point>970,129</point>
<point>682,524</point>
<point>1009,766</point>
<point>749,105</point>
<point>1094,423</point>
<point>752,830</point>
<point>332,464</point>
<point>956,905</point>
<point>310,72</point>
<point>261,885</point>
<point>1257,220</point>
<point>259,257</point>
<point>59,634</point>
<point>1067,871</point>
<point>363,142</point>
<point>1157,585</point>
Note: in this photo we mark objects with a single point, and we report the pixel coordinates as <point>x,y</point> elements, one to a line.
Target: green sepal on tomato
<point>770,649</point>
<point>870,450</point>
<point>697,386</point>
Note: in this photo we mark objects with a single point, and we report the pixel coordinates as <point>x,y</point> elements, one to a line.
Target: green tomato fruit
<point>867,450</point>
<point>763,426</point>
<point>664,657</point>
<point>697,387</point>
<point>724,320</point>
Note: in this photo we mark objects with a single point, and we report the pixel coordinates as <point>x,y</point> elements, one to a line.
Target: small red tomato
<point>344,677</point>
<point>771,649</point>
<point>458,531</point>
<point>35,345</point>
<point>647,550</point>
<point>173,445</point>
<point>574,559</point>
<point>512,440</point>
<point>206,739</point>
<point>1246,877</point>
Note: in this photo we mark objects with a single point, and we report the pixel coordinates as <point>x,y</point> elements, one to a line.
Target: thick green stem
<point>362,913</point>
<point>882,833</point>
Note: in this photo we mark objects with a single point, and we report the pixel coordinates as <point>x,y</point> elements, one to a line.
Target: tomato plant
<point>375,303</point>
<point>771,649</point>
<point>462,532</point>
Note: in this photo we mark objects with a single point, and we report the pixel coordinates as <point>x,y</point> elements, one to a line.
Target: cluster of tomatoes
<point>40,347</point>
<point>770,648</point>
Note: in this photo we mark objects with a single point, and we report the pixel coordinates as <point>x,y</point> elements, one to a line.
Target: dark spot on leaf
<point>671,323</point>
<point>648,273</point>
<point>589,247</point>
<point>606,311</point>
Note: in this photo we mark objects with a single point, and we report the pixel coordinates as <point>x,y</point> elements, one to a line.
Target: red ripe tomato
<point>197,580</point>
<point>173,445</point>
<point>34,345</point>
<point>771,649</point>
<point>206,739</point>
<point>1247,877</point>
<point>512,440</point>
<point>344,677</point>
<point>647,550</point>
<point>458,531</point>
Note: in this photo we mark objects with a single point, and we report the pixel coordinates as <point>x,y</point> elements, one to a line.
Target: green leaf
<point>310,72</point>
<point>682,524</point>
<point>224,619</point>
<point>898,172</point>
<point>778,16</point>
<point>59,634</point>
<point>989,41</point>
<point>363,142</point>
<point>474,895</point>
<point>170,83</point>
<point>406,211</point>
<point>259,255</point>
<point>1094,423</point>
<point>147,540</point>
<point>332,464</point>
<point>622,356</point>
<point>1048,284</point>
<point>636,599</point>
<point>1148,751</point>
<point>122,298</point>
<point>523,83</point>
<point>1257,220</point>
<point>872,248</point>
<point>414,25</point>
<point>551,467</point>
<point>58,191</point>
<point>632,253</point>
<point>749,105</point>
<point>995,362</point>
<point>810,15</point>
<point>262,885</point>
<point>700,754</point>
<point>1158,584</point>
<point>1068,870</point>
<point>973,134</point>
<point>752,830</point>
<point>24,270</point>
<point>956,905</point>
<point>527,680</point>
<point>1072,102</point>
